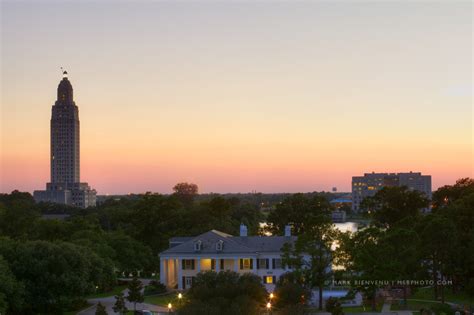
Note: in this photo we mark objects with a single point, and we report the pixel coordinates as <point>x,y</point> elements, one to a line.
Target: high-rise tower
<point>65,136</point>
<point>65,186</point>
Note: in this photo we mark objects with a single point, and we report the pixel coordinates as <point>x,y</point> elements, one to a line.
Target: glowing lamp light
<point>180,296</point>
<point>271,296</point>
<point>170,306</point>
<point>269,305</point>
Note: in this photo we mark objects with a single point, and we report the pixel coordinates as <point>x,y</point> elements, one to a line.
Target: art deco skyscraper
<point>65,144</point>
<point>65,186</point>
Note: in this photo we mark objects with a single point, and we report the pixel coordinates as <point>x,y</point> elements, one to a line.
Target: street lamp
<point>169,307</point>
<point>269,307</point>
<point>271,296</point>
<point>180,297</point>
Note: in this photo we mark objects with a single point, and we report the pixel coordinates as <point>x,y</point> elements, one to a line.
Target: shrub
<point>333,305</point>
<point>155,287</point>
<point>442,309</point>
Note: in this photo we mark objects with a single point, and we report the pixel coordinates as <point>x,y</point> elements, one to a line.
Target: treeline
<point>409,249</point>
<point>49,266</point>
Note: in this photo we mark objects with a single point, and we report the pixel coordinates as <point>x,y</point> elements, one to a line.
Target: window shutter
<point>258,263</point>
<point>222,264</point>
<point>192,264</point>
<point>184,282</point>
<point>267,263</point>
<point>274,279</point>
<point>273,263</point>
<point>241,264</point>
<point>183,264</point>
<point>251,263</point>
<point>264,279</point>
<point>213,264</point>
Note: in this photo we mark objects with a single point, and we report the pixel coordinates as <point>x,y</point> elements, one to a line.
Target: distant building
<point>65,186</point>
<point>338,216</point>
<point>367,185</point>
<point>343,202</point>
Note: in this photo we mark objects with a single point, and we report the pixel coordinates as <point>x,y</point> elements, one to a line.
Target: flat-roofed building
<point>368,185</point>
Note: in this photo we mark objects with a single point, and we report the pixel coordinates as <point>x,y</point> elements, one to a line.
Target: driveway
<point>109,302</point>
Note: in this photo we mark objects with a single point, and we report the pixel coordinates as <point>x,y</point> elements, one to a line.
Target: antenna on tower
<point>64,72</point>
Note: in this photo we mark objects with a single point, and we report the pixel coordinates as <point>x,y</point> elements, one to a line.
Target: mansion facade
<point>218,251</point>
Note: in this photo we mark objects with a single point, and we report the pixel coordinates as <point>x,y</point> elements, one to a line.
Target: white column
<point>217,264</point>
<point>180,274</point>
<point>254,265</point>
<point>163,272</point>
<point>198,265</point>
<point>236,264</point>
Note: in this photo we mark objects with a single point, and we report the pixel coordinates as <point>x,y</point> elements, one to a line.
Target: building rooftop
<point>230,244</point>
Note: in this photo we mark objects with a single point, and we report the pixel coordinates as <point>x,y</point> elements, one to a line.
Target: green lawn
<point>459,298</point>
<point>162,300</point>
<point>362,309</point>
<point>411,305</point>
<point>78,310</point>
<point>113,292</point>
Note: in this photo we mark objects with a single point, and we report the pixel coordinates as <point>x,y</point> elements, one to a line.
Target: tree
<point>448,194</point>
<point>400,255</point>
<point>186,192</point>
<point>311,255</point>
<point>17,214</point>
<point>225,292</point>
<point>155,219</point>
<point>11,291</point>
<point>299,211</point>
<point>54,274</point>
<point>395,205</point>
<point>120,305</point>
<point>130,254</point>
<point>439,246</point>
<point>135,294</point>
<point>365,264</point>
<point>333,305</point>
<point>100,309</point>
<point>291,292</point>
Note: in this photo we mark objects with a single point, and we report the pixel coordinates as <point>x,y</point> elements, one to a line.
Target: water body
<point>347,226</point>
<point>343,227</point>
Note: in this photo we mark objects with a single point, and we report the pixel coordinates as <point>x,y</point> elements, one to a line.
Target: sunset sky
<point>239,96</point>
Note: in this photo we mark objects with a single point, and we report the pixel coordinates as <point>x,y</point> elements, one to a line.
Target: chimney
<point>287,230</point>
<point>243,230</point>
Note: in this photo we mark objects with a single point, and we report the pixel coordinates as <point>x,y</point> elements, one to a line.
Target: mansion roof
<point>230,244</point>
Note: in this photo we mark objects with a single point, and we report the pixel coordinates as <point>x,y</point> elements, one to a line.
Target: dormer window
<point>220,245</point>
<point>198,246</point>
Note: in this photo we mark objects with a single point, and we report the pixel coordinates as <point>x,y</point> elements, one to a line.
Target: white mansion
<point>217,251</point>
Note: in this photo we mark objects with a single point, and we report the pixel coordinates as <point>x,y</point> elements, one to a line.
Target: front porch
<point>178,272</point>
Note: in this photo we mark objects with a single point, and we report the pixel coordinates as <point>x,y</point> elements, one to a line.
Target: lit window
<point>245,263</point>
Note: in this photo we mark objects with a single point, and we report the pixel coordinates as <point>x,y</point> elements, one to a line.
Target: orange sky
<point>273,97</point>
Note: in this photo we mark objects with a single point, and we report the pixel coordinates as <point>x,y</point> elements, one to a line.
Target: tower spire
<point>64,72</point>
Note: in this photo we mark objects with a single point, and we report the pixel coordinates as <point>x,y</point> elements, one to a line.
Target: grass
<point>411,305</point>
<point>449,296</point>
<point>74,312</point>
<point>162,300</point>
<point>112,292</point>
<point>362,309</point>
